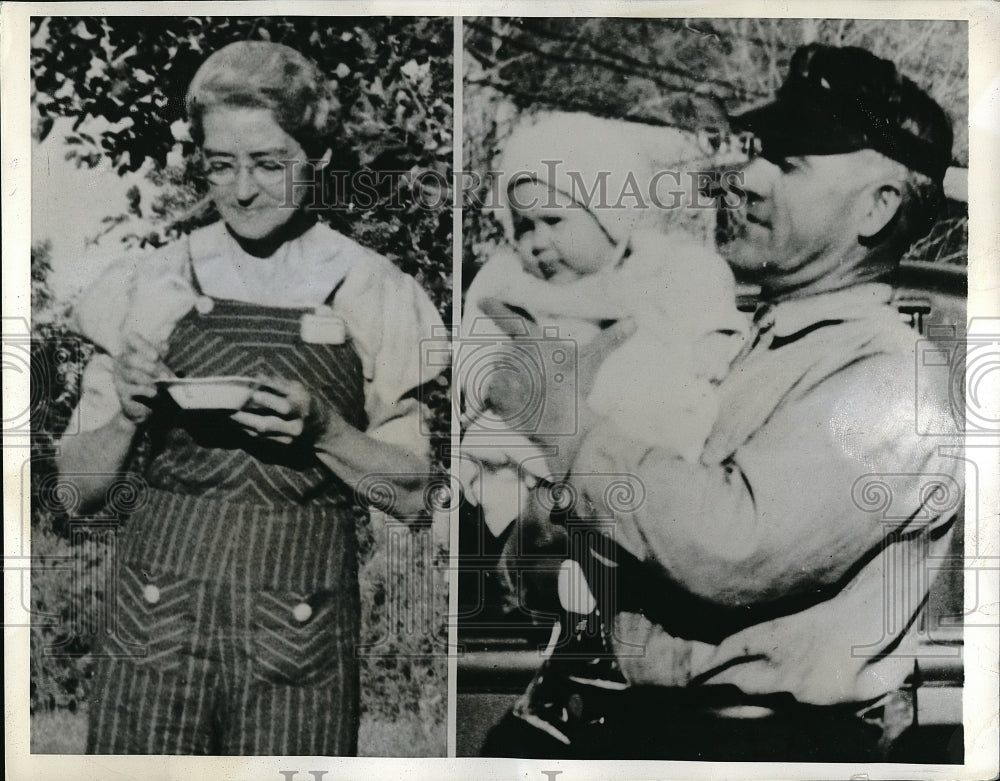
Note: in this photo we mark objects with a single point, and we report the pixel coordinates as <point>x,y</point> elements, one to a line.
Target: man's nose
<point>758,177</point>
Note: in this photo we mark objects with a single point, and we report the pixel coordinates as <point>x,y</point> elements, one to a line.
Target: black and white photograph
<point>501,391</point>
<point>235,274</point>
<point>714,508</point>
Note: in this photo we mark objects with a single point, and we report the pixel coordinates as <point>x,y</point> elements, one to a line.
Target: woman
<point>237,607</point>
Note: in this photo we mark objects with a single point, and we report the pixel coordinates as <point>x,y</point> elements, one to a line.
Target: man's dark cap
<point>837,100</point>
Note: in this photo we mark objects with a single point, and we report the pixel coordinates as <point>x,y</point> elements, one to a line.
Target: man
<point>781,596</point>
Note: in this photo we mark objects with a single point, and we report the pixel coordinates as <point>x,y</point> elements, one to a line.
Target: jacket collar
<point>852,303</point>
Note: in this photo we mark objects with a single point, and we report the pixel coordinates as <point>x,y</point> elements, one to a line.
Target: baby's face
<point>557,239</point>
<point>713,353</point>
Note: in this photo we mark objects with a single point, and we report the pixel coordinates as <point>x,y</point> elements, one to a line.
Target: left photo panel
<point>241,281</point>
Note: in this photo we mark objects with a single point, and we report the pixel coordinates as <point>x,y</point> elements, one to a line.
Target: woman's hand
<point>136,371</point>
<point>292,414</point>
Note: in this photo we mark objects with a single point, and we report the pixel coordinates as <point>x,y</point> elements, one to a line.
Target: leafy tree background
<point>122,81</point>
<point>686,73</point>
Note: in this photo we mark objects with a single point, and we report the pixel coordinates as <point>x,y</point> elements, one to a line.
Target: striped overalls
<point>237,608</point>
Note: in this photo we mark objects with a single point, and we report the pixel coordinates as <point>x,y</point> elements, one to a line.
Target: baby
<point>659,386</point>
<point>575,268</point>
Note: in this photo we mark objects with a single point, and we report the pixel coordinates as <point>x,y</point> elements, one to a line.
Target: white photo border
<point>982,733</point>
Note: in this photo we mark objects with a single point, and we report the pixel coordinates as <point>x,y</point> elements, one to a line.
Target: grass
<point>58,732</point>
<point>62,732</point>
<point>408,737</point>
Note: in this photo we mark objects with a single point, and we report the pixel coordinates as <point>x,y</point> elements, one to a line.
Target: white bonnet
<point>573,152</point>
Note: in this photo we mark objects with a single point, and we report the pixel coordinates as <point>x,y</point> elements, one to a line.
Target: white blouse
<point>389,318</point>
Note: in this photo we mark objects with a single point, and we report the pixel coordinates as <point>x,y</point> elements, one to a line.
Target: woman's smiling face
<point>248,159</point>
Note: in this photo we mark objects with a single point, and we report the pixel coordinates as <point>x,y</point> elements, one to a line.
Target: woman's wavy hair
<point>272,76</point>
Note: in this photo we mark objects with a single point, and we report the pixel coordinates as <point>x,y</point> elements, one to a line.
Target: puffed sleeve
<point>402,343</point>
<point>146,294</point>
<point>100,310</point>
<point>98,314</point>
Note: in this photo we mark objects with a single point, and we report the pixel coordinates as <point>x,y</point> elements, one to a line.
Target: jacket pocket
<point>297,638</point>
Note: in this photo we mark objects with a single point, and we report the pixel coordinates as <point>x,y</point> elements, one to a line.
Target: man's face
<point>801,218</point>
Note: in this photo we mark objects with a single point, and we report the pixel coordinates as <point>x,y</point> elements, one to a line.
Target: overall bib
<point>238,612</point>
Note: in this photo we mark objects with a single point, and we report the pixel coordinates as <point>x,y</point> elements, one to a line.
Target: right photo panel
<point>712,363</point>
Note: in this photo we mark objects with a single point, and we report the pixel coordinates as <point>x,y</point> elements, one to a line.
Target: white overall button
<point>151,594</point>
<point>302,612</point>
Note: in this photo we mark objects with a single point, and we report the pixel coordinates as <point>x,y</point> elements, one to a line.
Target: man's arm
<point>781,516</point>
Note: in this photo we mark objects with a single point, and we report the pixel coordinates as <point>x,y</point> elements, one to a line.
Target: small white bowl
<point>221,393</point>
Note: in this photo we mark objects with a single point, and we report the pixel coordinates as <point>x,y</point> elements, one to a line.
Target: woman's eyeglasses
<point>266,171</point>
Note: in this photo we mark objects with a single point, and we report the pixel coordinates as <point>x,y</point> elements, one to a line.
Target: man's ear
<point>882,200</point>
